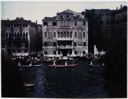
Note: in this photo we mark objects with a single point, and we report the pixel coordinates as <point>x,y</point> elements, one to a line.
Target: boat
<point>29,86</point>
<point>69,65</point>
<point>48,61</point>
<point>64,62</point>
<point>31,65</point>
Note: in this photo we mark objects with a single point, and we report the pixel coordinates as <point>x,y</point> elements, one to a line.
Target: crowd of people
<point>93,59</point>
<point>31,59</point>
<point>38,58</point>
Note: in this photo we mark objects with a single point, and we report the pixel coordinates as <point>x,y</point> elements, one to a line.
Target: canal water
<point>82,81</point>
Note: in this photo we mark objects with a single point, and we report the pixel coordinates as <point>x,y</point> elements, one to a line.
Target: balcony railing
<point>64,38</point>
<point>65,47</point>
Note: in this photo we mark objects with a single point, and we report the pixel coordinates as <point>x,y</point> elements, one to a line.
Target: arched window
<point>58,34</point>
<point>65,34</point>
<point>61,35</point>
<point>84,23</point>
<point>84,52</point>
<point>54,23</point>
<point>61,16</point>
<point>45,34</point>
<point>45,52</point>
<point>84,43</point>
<point>45,44</point>
<point>70,34</point>
<point>75,44</point>
<point>54,34</point>
<point>75,34</point>
<point>45,23</point>
<point>75,52</point>
<point>20,26</point>
<point>83,34</point>
<point>75,23</point>
<point>54,52</point>
<point>54,44</point>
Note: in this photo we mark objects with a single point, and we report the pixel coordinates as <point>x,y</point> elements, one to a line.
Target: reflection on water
<point>83,81</point>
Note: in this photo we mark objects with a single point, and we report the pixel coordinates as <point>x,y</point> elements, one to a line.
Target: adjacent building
<point>65,34</point>
<point>119,24</point>
<point>106,27</point>
<point>19,36</point>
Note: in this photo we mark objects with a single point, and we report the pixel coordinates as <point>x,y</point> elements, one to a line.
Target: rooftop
<point>70,15</point>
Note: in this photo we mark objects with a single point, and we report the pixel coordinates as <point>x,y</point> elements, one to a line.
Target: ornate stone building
<point>19,36</point>
<point>65,34</point>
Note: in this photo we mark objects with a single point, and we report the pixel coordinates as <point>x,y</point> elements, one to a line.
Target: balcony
<point>65,39</point>
<point>65,47</point>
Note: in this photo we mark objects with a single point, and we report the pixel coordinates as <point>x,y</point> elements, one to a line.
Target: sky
<point>37,10</point>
